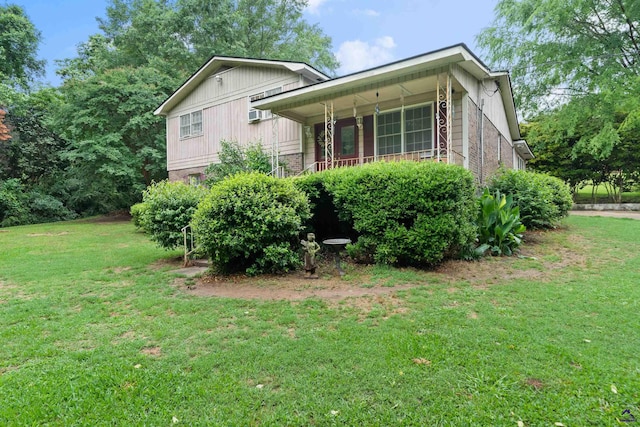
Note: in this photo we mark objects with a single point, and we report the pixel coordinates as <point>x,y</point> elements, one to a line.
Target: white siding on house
<point>487,90</point>
<point>456,132</point>
<point>224,102</point>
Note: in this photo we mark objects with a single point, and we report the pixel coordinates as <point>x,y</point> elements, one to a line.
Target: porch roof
<point>415,75</point>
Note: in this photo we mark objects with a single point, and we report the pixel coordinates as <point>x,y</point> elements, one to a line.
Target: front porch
<point>444,106</point>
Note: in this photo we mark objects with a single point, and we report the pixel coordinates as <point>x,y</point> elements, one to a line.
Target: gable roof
<point>289,103</point>
<point>223,62</point>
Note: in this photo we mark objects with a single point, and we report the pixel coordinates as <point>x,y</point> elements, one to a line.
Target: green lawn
<point>94,332</point>
<point>586,195</point>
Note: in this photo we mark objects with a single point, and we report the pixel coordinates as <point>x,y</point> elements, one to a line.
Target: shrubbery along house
<point>444,105</point>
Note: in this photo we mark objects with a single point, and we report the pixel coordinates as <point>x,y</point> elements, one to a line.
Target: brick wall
<point>496,147</point>
<point>183,174</point>
<point>294,163</point>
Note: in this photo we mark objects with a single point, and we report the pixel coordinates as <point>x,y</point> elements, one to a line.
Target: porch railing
<point>416,156</point>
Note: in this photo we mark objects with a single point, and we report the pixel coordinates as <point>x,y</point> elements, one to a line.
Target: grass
<point>584,195</point>
<point>95,333</point>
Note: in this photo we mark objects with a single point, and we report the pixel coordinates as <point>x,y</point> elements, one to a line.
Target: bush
<point>46,208</point>
<point>138,211</point>
<point>14,204</point>
<point>499,226</point>
<point>405,213</point>
<point>324,220</point>
<point>543,200</point>
<point>166,208</point>
<point>251,222</point>
<point>235,159</point>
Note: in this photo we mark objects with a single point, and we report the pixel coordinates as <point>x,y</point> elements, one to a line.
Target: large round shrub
<point>166,208</point>
<point>543,200</point>
<point>406,213</point>
<point>251,222</point>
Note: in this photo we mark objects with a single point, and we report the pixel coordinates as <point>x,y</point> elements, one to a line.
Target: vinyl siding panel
<point>225,107</point>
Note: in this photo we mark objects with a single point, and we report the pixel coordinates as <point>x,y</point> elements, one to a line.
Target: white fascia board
<point>441,58</point>
<point>217,62</point>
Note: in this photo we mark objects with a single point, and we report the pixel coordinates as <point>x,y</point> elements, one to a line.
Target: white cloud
<point>366,12</point>
<point>313,6</point>
<point>356,55</point>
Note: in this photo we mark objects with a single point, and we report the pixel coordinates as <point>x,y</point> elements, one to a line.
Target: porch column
<point>275,147</point>
<point>443,118</point>
<point>329,123</point>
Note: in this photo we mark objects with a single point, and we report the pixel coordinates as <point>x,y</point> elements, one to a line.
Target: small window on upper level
<point>191,124</point>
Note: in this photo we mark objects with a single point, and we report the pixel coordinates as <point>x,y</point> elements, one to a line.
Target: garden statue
<point>311,247</point>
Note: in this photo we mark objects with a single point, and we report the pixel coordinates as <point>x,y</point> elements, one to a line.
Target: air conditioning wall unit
<point>255,115</point>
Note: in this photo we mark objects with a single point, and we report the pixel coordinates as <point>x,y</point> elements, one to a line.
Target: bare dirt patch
<point>152,351</point>
<point>290,287</point>
<point>63,233</point>
<point>539,259</point>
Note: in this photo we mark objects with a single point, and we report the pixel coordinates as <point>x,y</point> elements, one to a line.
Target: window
<point>191,124</point>
<point>406,130</point>
<point>348,140</point>
<point>195,179</point>
<point>390,133</point>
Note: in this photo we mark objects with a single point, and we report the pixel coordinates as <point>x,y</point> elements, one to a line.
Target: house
<point>444,105</point>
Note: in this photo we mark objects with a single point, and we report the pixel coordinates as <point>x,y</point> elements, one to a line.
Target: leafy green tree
<point>576,72</point>
<point>116,143</point>
<point>19,41</point>
<point>273,29</point>
<point>565,48</point>
<point>32,153</point>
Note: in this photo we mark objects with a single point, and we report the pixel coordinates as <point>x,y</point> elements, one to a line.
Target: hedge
<point>543,199</point>
<point>403,213</point>
<point>251,222</point>
<point>166,208</point>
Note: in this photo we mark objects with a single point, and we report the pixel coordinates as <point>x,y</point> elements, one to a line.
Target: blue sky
<point>365,33</point>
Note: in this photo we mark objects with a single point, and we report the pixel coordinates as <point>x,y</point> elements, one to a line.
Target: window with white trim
<point>191,124</point>
<point>406,130</point>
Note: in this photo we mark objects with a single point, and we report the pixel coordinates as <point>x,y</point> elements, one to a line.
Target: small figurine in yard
<point>311,247</point>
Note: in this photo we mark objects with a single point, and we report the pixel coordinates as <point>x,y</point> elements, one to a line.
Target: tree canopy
<point>565,48</point>
<point>93,144</point>
<point>576,72</point>
<point>19,40</point>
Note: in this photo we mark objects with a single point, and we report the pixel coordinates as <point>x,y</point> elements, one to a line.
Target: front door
<point>345,139</point>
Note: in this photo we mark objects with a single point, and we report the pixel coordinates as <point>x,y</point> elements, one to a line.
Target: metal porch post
<point>329,123</point>
<point>275,147</point>
<point>443,118</point>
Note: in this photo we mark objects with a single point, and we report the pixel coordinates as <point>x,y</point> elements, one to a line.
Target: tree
<point>32,153</point>
<point>272,29</point>
<point>19,41</point>
<point>565,48</point>
<point>116,143</point>
<point>576,71</point>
